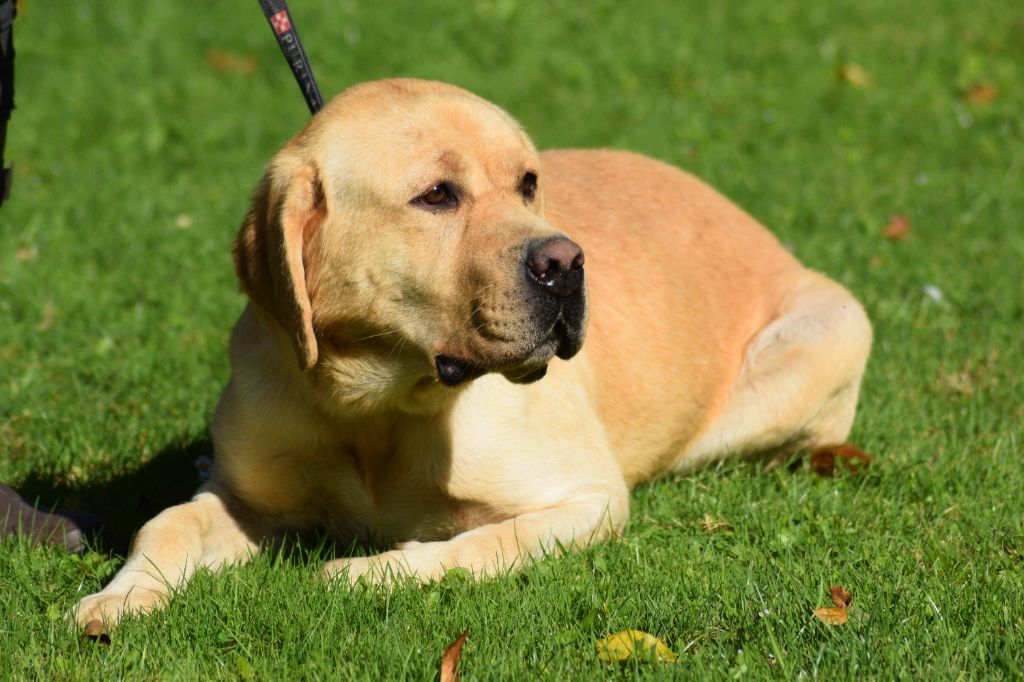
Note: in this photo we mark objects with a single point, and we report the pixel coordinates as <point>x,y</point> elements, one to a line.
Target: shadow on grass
<point>129,499</point>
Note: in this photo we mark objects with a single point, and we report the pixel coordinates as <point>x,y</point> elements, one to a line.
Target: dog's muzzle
<point>555,299</point>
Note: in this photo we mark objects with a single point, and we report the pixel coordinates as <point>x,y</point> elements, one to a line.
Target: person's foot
<point>60,527</point>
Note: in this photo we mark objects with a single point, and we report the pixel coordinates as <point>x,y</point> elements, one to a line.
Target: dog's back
<point>680,280</point>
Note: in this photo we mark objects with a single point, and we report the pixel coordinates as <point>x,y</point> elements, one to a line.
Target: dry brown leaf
<point>958,382</point>
<point>852,457</point>
<point>226,61</point>
<point>450,659</point>
<point>712,525</point>
<point>95,631</point>
<point>981,94</point>
<point>627,644</point>
<point>49,314</point>
<point>840,613</point>
<point>823,460</point>
<point>898,229</point>
<point>854,74</point>
<point>841,597</point>
<point>26,254</point>
<point>832,615</point>
<point>972,376</point>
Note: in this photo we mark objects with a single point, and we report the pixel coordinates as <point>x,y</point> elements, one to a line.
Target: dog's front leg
<point>496,548</point>
<point>207,531</point>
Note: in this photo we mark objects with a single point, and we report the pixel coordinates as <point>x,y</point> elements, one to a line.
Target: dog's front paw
<point>109,607</point>
<point>380,569</point>
<point>376,570</point>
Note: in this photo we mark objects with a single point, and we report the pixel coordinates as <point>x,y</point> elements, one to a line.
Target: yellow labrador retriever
<point>411,372</point>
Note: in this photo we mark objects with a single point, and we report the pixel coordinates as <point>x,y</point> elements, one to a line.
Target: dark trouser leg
<point>59,527</point>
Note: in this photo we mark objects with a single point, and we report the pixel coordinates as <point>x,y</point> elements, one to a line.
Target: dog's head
<point>398,246</point>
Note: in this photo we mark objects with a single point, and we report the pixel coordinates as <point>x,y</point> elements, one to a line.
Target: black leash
<point>281,22</point>
<point>8,9</point>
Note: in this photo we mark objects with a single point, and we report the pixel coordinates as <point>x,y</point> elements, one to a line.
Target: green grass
<point>114,321</point>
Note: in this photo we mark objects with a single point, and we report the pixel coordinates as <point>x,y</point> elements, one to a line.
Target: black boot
<point>60,527</point>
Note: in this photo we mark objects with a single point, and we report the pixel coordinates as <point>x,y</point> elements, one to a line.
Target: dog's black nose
<point>555,264</point>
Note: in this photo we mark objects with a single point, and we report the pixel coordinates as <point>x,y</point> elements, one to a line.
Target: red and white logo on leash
<point>280,22</point>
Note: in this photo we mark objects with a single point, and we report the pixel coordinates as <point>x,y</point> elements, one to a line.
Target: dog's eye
<point>440,196</point>
<point>528,187</point>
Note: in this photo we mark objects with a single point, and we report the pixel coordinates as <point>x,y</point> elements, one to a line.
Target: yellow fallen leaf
<point>226,61</point>
<point>47,316</point>
<point>854,74</point>
<point>627,644</point>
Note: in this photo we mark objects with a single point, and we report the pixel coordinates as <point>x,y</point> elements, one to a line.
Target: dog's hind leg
<point>207,531</point>
<point>798,384</point>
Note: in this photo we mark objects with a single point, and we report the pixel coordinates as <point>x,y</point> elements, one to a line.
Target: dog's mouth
<point>452,371</point>
<point>561,342</point>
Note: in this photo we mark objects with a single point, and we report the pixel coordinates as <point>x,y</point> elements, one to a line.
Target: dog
<point>410,371</point>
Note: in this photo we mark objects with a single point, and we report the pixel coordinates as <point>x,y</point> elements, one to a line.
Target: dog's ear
<point>287,208</point>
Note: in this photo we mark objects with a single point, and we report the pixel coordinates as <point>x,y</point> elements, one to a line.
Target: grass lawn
<point>141,128</point>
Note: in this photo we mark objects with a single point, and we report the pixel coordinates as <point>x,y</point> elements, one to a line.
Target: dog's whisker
<point>373,336</point>
<point>469,320</point>
<point>482,290</point>
<point>395,347</point>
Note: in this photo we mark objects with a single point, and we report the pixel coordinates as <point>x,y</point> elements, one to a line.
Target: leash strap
<point>7,11</point>
<point>281,23</point>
